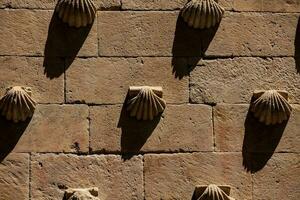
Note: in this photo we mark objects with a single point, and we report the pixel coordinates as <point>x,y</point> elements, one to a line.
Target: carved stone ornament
<point>76,13</point>
<point>213,192</point>
<point>145,102</point>
<point>271,106</point>
<point>81,194</point>
<point>202,14</point>
<point>17,104</point>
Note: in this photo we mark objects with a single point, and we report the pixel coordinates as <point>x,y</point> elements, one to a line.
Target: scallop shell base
<point>202,14</point>
<point>81,194</point>
<point>271,106</point>
<point>213,192</point>
<point>146,102</point>
<point>77,13</point>
<point>17,104</point>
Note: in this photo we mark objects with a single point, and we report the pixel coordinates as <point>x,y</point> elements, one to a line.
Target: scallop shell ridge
<point>213,192</point>
<point>271,106</point>
<point>145,105</point>
<point>202,14</point>
<point>17,104</point>
<point>76,13</point>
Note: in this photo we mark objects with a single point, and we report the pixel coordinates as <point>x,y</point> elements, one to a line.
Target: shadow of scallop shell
<point>201,14</point>
<point>146,103</point>
<point>213,192</point>
<point>17,104</point>
<point>76,13</point>
<point>271,106</point>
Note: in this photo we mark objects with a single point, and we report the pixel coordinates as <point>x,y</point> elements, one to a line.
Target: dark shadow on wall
<point>62,41</point>
<point>10,133</point>
<point>135,133</point>
<point>260,142</point>
<point>297,47</point>
<point>189,42</point>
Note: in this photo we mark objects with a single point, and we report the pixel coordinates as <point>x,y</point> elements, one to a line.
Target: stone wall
<point>80,136</point>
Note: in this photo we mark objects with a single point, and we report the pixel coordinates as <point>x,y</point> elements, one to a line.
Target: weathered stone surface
<point>53,128</point>
<point>153,5</point>
<point>279,179</point>
<point>41,4</point>
<point>175,176</point>
<point>282,6</point>
<point>229,126</point>
<point>226,4</point>
<point>39,34</point>
<point>240,34</point>
<point>14,177</point>
<point>234,80</point>
<point>106,80</point>
<point>238,5</point>
<point>249,5</point>
<point>50,4</point>
<point>145,33</point>
<point>152,34</point>
<point>115,178</point>
<point>235,127</point>
<point>263,5</point>
<point>181,128</point>
<point>108,4</point>
<point>163,4</point>
<point>132,43</point>
<point>29,72</point>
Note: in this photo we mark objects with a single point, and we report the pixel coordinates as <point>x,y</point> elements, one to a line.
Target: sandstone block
<point>175,176</point>
<point>42,4</point>
<point>50,4</point>
<point>279,179</point>
<point>248,5</point>
<point>115,178</point>
<point>282,6</point>
<point>106,80</point>
<point>14,177</point>
<point>229,126</point>
<point>241,34</point>
<point>163,4</point>
<point>226,4</point>
<point>234,80</point>
<point>270,6</point>
<point>236,129</point>
<point>152,34</point>
<point>53,128</point>
<point>108,4</point>
<point>47,36</point>
<point>153,5</point>
<point>29,72</point>
<point>181,128</point>
<point>146,33</point>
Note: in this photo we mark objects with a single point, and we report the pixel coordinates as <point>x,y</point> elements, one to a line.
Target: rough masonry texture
<point>81,136</point>
<point>118,179</point>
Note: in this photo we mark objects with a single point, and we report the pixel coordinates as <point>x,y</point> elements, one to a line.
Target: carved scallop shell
<point>77,13</point>
<point>146,103</point>
<point>201,14</point>
<point>271,106</point>
<point>213,192</point>
<point>17,104</point>
<point>81,194</point>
